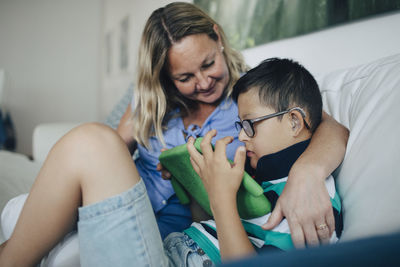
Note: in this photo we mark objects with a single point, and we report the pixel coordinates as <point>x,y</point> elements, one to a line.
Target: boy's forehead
<point>245,99</point>
<point>249,103</point>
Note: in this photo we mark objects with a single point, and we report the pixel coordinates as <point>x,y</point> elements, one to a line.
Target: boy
<point>280,106</point>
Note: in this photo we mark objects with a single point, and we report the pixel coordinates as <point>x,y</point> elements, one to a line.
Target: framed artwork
<point>124,44</point>
<point>254,22</point>
<point>108,53</point>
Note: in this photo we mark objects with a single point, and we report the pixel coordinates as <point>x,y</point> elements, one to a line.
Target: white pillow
<point>365,99</point>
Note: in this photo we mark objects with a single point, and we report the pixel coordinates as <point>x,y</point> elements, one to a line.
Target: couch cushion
<point>17,174</point>
<point>365,99</point>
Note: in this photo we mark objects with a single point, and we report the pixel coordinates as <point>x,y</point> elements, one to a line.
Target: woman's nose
<point>203,82</point>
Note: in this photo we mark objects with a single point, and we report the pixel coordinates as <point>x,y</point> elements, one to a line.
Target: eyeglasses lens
<point>247,128</point>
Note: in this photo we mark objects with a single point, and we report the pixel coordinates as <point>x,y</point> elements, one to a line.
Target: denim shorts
<point>183,251</point>
<point>122,231</point>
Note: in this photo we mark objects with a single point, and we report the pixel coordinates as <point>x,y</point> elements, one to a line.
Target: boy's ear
<point>297,122</point>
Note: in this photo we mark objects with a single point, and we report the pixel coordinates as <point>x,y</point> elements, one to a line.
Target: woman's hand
<point>165,174</point>
<point>306,205</point>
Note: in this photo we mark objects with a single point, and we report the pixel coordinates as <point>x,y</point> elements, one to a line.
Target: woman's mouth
<point>208,92</point>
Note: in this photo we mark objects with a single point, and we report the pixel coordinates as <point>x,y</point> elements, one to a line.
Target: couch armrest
<point>46,135</point>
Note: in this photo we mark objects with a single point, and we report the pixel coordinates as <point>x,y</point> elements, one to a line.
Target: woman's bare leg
<point>87,165</point>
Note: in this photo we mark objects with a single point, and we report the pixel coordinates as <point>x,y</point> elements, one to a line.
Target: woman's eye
<point>205,66</point>
<point>184,79</point>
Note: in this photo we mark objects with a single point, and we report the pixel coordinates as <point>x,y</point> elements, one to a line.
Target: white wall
<point>337,47</point>
<point>115,84</point>
<point>50,52</point>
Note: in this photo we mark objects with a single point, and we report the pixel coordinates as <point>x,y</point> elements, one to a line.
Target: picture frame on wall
<point>124,44</point>
<point>108,58</point>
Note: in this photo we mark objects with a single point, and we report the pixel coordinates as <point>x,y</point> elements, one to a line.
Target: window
<point>248,23</point>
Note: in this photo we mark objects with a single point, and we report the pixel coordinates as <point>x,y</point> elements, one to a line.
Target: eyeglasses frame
<point>266,117</point>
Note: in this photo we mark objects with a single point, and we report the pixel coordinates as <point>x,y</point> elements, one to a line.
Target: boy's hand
<point>220,178</point>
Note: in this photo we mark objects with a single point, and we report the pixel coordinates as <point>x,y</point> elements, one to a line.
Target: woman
<point>186,75</point>
<point>179,93</point>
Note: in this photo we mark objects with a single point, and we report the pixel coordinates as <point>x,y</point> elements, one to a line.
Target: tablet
<point>251,201</point>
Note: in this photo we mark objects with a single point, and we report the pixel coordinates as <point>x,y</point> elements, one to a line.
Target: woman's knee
<point>92,138</point>
<point>90,149</point>
<point>88,142</point>
<point>102,160</point>
<point>96,158</point>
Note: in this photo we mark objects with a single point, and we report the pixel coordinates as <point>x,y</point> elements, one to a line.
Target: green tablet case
<point>251,201</point>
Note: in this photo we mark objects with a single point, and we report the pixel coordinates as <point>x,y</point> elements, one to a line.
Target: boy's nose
<point>242,135</point>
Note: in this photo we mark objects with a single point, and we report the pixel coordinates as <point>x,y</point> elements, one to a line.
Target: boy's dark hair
<point>283,84</point>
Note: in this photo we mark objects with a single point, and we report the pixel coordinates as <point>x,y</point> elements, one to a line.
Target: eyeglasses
<point>248,125</point>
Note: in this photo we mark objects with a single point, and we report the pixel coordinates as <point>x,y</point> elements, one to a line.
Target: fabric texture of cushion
<point>17,175</point>
<point>365,99</point>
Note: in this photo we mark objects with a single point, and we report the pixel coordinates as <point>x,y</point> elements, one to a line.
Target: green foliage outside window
<point>248,23</point>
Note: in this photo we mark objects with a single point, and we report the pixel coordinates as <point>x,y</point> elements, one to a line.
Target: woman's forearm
<point>305,201</point>
<point>125,129</point>
<point>327,147</point>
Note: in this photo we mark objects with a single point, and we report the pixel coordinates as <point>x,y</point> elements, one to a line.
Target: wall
<point>115,82</point>
<point>50,52</point>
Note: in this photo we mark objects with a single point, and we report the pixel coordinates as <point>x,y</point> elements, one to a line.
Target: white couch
<point>364,98</point>
<point>18,172</point>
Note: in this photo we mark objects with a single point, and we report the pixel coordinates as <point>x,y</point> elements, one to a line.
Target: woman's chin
<point>211,98</point>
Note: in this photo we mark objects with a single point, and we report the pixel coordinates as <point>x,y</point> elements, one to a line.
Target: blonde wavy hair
<point>155,94</point>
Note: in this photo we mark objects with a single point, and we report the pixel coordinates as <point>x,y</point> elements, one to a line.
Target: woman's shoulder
<point>223,117</point>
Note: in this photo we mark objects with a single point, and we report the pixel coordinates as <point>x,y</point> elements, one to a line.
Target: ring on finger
<point>322,227</point>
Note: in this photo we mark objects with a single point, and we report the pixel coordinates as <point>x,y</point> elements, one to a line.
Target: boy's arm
<point>233,240</point>
<point>222,180</point>
<point>305,201</point>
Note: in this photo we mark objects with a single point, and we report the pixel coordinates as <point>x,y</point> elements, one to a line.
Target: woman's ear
<point>216,30</point>
<point>215,27</point>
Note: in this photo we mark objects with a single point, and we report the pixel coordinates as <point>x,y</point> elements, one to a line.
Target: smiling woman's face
<point>198,69</point>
